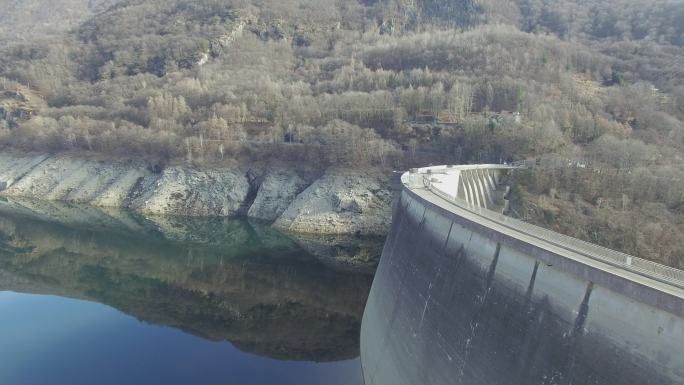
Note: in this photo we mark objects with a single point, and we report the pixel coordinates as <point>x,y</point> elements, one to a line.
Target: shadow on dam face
<point>450,305</point>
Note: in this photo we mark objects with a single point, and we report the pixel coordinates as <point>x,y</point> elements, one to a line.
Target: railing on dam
<point>476,189</point>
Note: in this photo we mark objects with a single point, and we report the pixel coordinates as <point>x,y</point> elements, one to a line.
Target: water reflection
<point>48,340</point>
<point>222,280</point>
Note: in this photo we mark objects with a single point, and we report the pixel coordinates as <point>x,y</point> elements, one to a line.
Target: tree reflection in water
<point>265,292</point>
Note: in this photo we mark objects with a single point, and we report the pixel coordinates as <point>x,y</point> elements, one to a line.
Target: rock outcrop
<point>17,103</point>
<point>190,192</point>
<point>275,194</point>
<point>62,178</point>
<point>339,202</point>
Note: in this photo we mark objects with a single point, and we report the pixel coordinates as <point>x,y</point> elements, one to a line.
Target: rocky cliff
<point>337,202</point>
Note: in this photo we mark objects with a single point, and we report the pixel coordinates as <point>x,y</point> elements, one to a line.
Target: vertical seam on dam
<point>530,286</point>
<point>446,241</point>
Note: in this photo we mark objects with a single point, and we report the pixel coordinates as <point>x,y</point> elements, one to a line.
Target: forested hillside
<point>23,20</point>
<point>392,83</point>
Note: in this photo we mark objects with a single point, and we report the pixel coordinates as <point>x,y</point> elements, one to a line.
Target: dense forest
<point>24,20</point>
<point>378,83</point>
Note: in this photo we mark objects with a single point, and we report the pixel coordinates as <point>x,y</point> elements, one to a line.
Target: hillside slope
<point>363,85</point>
<point>23,20</point>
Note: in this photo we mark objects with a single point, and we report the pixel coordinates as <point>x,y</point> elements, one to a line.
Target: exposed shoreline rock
<point>275,194</point>
<point>341,202</point>
<point>338,202</point>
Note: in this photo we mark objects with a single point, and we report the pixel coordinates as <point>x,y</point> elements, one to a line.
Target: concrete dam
<point>466,295</point>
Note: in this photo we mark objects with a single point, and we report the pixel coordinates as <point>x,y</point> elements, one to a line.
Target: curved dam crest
<point>459,300</point>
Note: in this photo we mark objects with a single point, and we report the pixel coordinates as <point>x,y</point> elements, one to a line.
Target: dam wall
<point>461,297</point>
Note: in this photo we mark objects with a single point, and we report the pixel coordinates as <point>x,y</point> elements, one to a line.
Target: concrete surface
<point>460,298</point>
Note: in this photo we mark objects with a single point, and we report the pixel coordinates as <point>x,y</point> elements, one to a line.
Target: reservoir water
<point>90,296</point>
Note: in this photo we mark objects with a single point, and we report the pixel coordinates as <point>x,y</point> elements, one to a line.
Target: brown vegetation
<point>369,82</point>
<point>639,210</point>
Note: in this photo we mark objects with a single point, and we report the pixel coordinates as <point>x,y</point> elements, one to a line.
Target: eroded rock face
<point>62,178</point>
<point>17,103</point>
<point>190,192</point>
<point>276,193</point>
<point>339,202</point>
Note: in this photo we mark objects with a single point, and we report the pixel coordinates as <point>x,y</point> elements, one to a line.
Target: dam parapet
<point>473,188</point>
<point>466,295</point>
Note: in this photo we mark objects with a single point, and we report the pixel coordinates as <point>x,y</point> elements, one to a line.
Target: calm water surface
<point>95,297</point>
